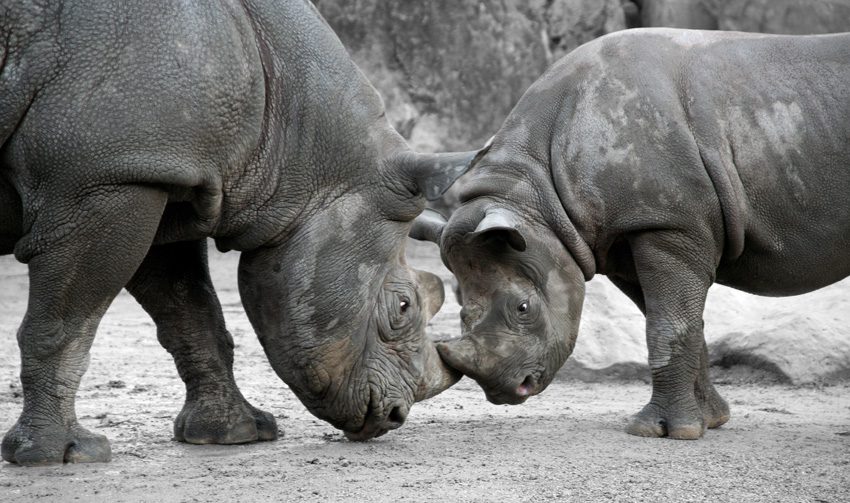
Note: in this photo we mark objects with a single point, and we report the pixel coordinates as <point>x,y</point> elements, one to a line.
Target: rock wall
<point>450,71</point>
<point>797,340</point>
<point>790,17</point>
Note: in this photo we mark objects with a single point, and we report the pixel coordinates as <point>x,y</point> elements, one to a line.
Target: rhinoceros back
<point>201,99</point>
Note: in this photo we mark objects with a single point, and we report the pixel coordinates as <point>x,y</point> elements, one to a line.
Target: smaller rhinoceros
<point>667,160</point>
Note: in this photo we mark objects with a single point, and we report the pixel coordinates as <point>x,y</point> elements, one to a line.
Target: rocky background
<point>451,70</point>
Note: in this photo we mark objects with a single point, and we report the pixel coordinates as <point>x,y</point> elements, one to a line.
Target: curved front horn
<point>435,173</point>
<point>500,223</point>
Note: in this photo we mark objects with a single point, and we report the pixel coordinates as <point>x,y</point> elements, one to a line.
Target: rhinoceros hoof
<point>715,410</point>
<point>654,422</point>
<point>204,422</point>
<point>266,424</point>
<point>30,445</point>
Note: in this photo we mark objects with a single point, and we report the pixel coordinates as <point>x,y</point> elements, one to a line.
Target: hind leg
<point>80,252</point>
<point>173,285</point>
<point>675,274</point>
<point>714,408</point>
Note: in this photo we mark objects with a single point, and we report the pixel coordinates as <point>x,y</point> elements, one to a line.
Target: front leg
<point>714,409</point>
<point>173,285</point>
<point>675,273</point>
<point>73,278</point>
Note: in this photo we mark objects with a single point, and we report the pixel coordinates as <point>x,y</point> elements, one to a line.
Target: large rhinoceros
<point>667,160</point>
<point>131,132</point>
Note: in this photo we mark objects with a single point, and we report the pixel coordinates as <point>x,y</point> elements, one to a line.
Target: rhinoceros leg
<point>675,274</point>
<point>714,408</point>
<point>173,285</point>
<point>80,251</point>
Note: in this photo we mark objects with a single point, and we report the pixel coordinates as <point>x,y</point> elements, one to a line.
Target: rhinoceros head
<point>339,313</point>
<point>522,296</point>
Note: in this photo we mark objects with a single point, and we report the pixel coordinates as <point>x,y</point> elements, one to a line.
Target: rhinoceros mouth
<point>514,393</point>
<point>376,425</point>
<point>362,435</point>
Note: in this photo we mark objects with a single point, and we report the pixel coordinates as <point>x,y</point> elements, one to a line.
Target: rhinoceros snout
<point>376,425</point>
<point>512,394</point>
<point>498,388</point>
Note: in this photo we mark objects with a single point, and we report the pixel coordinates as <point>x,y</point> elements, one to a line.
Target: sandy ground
<point>783,443</point>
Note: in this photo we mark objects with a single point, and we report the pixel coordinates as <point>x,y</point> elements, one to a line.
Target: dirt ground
<point>783,443</point>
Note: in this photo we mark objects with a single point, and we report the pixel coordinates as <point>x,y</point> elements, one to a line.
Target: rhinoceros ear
<point>435,173</point>
<point>499,223</point>
<point>428,226</point>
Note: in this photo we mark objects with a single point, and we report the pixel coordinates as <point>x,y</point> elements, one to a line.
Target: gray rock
<point>451,70</point>
<point>791,17</point>
<point>800,340</point>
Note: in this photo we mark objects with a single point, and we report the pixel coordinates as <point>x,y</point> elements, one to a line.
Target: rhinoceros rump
<point>131,133</point>
<point>667,160</point>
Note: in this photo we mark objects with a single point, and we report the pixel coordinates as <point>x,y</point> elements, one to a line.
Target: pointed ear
<point>502,224</point>
<point>428,226</point>
<point>433,174</point>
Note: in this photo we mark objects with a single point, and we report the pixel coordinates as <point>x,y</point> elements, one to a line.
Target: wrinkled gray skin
<point>133,131</point>
<point>667,160</point>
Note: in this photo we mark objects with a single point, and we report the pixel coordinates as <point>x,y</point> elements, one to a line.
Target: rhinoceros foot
<point>656,421</point>
<point>211,421</point>
<point>31,442</point>
<point>714,408</point>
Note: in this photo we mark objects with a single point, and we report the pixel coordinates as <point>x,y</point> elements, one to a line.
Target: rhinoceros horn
<point>428,226</point>
<point>433,174</point>
<point>500,223</point>
<point>461,355</point>
<point>436,381</point>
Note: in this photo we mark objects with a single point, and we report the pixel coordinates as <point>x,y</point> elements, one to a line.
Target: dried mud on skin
<point>783,443</point>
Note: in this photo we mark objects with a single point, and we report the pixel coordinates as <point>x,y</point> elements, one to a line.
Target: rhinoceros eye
<point>522,308</point>
<point>402,312</point>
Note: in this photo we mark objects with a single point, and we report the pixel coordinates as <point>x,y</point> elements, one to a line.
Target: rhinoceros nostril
<point>396,417</point>
<point>526,387</point>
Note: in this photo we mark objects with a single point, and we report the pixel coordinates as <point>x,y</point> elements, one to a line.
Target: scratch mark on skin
<point>781,125</point>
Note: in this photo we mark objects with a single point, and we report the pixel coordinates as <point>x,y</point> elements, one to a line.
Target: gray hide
<point>667,160</point>
<point>133,131</point>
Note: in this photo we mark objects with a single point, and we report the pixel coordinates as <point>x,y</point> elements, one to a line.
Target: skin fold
<point>133,132</point>
<point>667,160</point>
